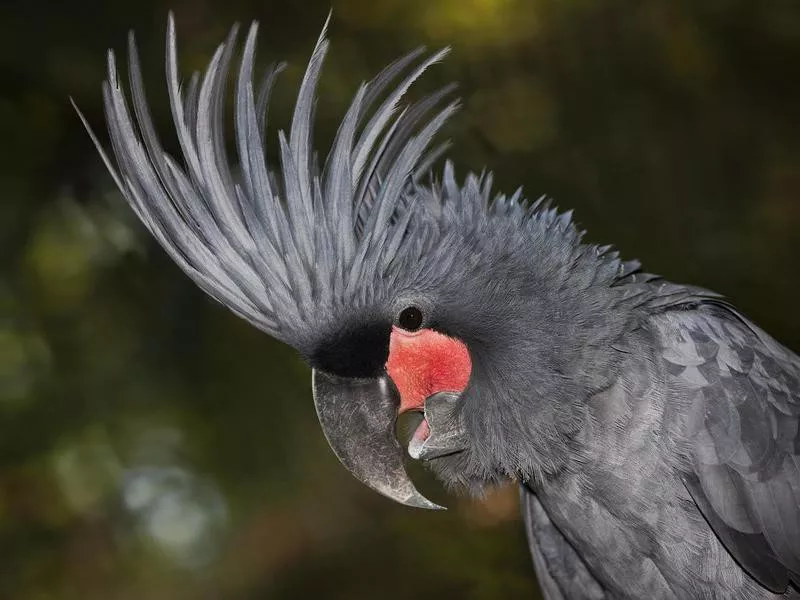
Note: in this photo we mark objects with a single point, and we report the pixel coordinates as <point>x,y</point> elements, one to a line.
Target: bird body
<point>654,430</point>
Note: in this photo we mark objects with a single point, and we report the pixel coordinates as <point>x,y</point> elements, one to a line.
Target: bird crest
<point>275,243</point>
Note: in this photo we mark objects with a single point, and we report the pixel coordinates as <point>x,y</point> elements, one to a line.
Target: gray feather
<point>745,426</point>
<point>274,245</point>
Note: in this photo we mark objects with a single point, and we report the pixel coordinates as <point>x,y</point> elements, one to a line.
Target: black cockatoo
<point>653,428</point>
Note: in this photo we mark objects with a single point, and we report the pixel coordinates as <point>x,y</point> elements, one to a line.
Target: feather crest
<point>272,244</point>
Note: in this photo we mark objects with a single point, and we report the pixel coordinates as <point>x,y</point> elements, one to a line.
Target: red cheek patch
<point>422,363</point>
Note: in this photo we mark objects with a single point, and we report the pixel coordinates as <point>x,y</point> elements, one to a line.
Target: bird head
<point>403,292</point>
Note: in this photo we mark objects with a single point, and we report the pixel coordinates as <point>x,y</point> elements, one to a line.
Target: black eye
<point>410,318</point>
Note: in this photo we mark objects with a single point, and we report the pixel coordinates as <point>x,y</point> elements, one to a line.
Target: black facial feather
<point>353,351</point>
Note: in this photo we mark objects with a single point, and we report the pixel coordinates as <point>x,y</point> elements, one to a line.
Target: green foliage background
<point>154,446</point>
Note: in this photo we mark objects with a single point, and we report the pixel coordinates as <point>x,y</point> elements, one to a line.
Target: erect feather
<point>385,112</point>
<point>274,245</point>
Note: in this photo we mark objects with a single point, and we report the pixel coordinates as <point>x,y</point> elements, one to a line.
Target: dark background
<point>154,446</point>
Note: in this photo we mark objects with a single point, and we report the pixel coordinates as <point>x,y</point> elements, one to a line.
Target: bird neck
<point>565,345</point>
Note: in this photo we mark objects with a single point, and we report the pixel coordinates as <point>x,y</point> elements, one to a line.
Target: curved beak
<point>358,417</point>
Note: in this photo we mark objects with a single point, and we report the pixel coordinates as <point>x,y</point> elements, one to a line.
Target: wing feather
<point>560,570</point>
<point>744,427</point>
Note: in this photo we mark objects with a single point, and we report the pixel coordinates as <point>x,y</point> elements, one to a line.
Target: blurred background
<point>154,446</point>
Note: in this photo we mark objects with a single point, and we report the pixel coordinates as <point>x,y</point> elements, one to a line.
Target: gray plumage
<point>689,466</point>
<point>274,245</point>
<point>561,571</point>
<point>655,430</point>
<point>741,393</point>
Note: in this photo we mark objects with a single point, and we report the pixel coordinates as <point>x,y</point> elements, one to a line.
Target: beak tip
<point>422,502</point>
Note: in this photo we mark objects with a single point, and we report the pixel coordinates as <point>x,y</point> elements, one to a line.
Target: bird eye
<point>410,318</point>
